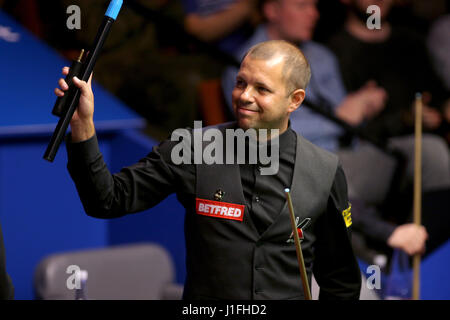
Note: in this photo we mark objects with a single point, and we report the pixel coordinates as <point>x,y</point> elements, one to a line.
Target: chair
<point>136,271</point>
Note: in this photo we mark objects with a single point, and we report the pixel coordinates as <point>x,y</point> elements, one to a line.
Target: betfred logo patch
<point>220,209</point>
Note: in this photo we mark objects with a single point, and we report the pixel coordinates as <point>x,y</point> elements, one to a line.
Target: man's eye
<point>240,84</point>
<point>262,89</point>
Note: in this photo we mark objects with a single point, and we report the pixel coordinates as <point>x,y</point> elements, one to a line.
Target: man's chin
<point>245,123</point>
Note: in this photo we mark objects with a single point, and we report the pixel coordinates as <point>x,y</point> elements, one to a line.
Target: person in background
<point>397,59</point>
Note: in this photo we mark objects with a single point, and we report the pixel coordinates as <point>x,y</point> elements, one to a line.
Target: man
<point>294,20</point>
<point>248,255</point>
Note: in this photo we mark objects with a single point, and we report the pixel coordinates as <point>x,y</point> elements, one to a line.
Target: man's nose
<point>247,95</point>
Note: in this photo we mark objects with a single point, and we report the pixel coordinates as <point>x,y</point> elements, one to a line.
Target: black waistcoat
<point>229,259</point>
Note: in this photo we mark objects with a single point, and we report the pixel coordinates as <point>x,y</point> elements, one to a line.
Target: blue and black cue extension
<point>82,68</point>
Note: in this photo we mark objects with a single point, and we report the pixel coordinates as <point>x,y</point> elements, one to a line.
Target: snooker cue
<point>417,189</point>
<point>298,247</point>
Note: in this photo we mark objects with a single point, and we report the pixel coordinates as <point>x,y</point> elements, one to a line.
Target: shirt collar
<point>287,140</point>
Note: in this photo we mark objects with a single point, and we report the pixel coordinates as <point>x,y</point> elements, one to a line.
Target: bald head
<point>296,71</point>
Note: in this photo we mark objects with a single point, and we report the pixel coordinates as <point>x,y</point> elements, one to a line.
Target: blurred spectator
<point>369,171</point>
<point>228,23</point>
<point>397,59</point>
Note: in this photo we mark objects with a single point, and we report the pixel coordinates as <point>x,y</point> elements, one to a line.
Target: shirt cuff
<point>85,151</point>
<point>386,231</point>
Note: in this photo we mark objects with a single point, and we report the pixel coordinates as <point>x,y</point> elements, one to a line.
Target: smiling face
<point>260,97</point>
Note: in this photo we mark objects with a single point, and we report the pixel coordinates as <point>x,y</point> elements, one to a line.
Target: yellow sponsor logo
<point>347,214</point>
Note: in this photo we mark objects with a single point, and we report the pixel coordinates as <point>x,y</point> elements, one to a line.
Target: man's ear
<point>270,10</point>
<point>296,99</point>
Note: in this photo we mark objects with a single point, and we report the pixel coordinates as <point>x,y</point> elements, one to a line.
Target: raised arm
<point>134,188</point>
